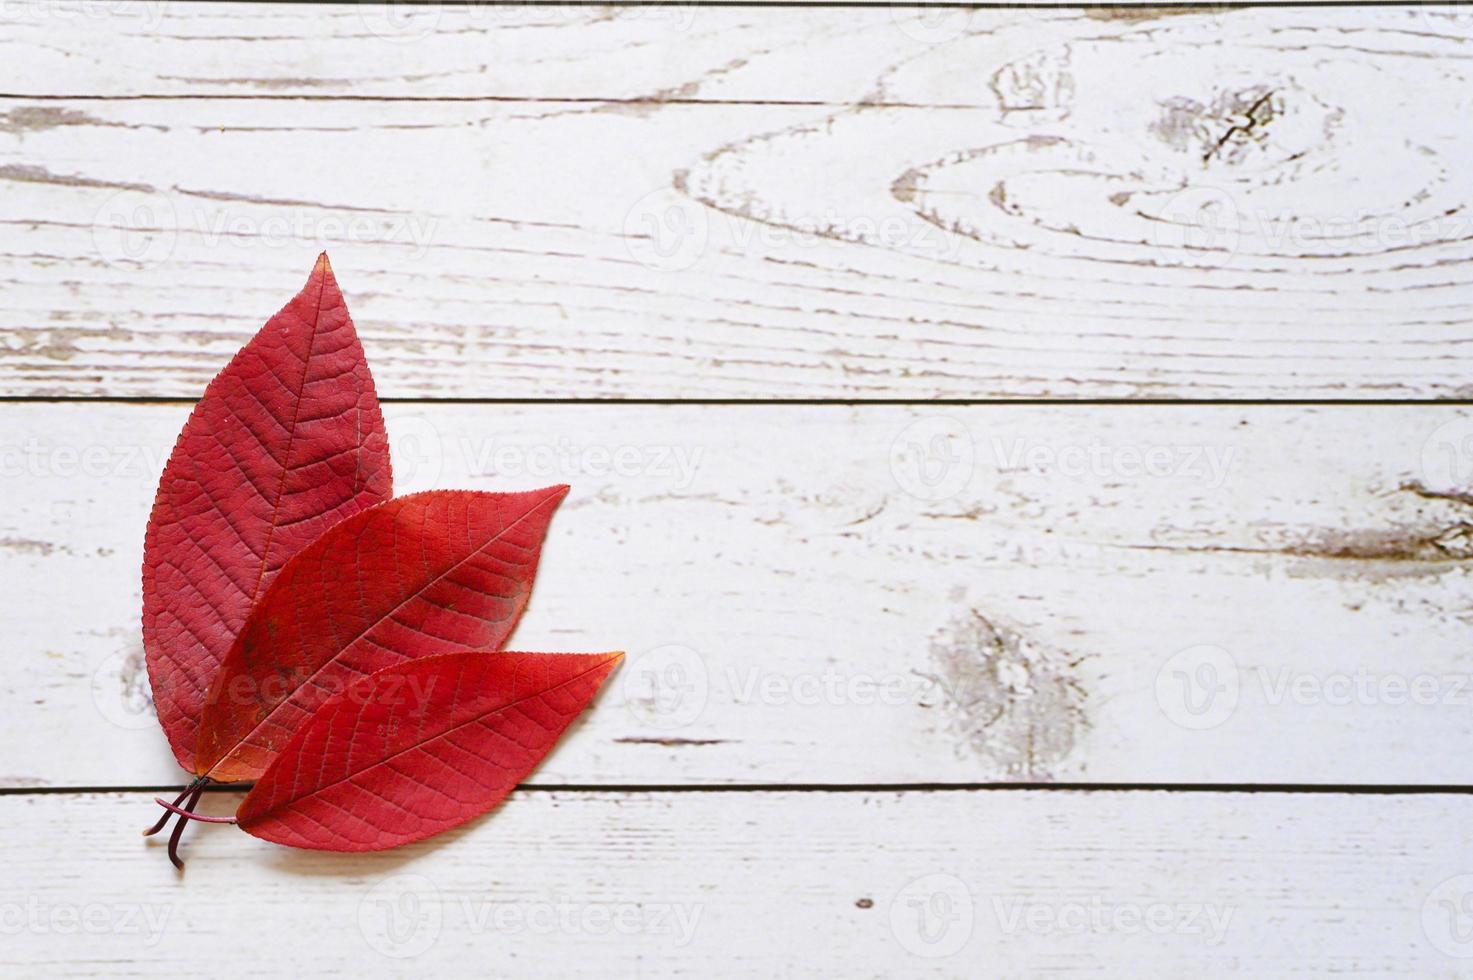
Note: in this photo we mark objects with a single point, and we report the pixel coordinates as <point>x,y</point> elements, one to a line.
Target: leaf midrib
<point>367,629</point>
<point>291,439</point>
<point>438,735</point>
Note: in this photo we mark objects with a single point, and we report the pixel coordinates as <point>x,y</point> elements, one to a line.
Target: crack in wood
<point>1246,128</point>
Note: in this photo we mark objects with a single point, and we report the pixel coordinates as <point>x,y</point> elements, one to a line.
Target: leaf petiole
<point>164,818</point>
<point>187,815</point>
<point>183,807</point>
<point>194,796</point>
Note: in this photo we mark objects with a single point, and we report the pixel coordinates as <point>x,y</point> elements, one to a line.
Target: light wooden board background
<point>1025,453</point>
<point>855,205</point>
<point>780,884</point>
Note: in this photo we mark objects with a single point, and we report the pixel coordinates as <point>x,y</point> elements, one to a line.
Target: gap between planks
<point>809,402</point>
<point>848,4</point>
<point>1279,789</point>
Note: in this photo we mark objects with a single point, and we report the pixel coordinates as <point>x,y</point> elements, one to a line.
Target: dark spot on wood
<point>684,92</point>
<point>1180,124</point>
<point>1437,544</point>
<point>37,118</point>
<point>133,676</point>
<point>1011,701</point>
<point>903,189</point>
<point>30,546</point>
<point>268,84</point>
<point>1134,13</point>
<point>864,903</point>
<point>25,173</point>
<point>1426,493</point>
<point>670,742</point>
<point>1040,80</point>
<point>132,672</point>
<point>61,343</point>
<point>1424,544</point>
<point>1257,116</point>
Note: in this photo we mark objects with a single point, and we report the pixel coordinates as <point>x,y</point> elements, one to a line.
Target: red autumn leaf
<point>431,573</point>
<point>419,748</point>
<point>287,440</point>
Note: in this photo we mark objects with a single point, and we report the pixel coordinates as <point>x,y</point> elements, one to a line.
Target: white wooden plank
<point>651,52</point>
<point>1049,206</point>
<point>594,51</point>
<point>813,595</point>
<point>957,884</point>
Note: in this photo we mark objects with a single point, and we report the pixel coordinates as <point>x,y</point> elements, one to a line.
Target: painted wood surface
<point>859,595</point>
<point>1257,204</point>
<point>656,52</point>
<point>674,203</point>
<point>923,884</point>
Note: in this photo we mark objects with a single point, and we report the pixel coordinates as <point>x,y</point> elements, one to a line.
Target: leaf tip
<point>608,663</point>
<point>323,266</point>
<point>557,494</point>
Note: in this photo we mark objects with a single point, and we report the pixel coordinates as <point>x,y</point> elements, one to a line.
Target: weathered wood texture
<point>677,202</point>
<point>951,884</point>
<point>834,594</point>
<point>688,203</point>
<point>677,52</point>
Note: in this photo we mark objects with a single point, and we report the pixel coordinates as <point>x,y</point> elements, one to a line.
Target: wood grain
<point>676,202</point>
<point>953,884</point>
<point>844,595</point>
<point>656,52</point>
<point>1257,204</point>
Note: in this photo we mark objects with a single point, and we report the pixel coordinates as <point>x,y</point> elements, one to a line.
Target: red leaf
<point>431,573</point>
<point>419,748</point>
<point>287,440</point>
